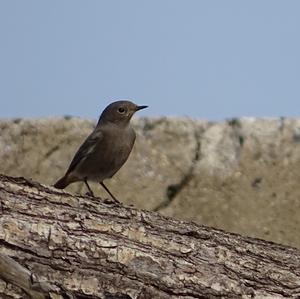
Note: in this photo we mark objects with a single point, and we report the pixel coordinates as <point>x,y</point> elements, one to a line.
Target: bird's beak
<point>140,108</point>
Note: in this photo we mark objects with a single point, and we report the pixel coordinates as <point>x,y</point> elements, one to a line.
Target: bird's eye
<point>121,110</point>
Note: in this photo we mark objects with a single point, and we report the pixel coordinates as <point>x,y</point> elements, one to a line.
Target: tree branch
<point>56,244</point>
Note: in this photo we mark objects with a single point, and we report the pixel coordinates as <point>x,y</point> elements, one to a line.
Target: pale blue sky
<point>204,59</point>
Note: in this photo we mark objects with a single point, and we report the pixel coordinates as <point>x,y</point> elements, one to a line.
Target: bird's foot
<point>112,200</point>
<point>90,193</point>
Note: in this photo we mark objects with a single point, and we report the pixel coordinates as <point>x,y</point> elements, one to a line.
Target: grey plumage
<point>106,149</point>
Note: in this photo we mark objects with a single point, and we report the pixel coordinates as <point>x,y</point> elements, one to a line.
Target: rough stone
<point>241,175</point>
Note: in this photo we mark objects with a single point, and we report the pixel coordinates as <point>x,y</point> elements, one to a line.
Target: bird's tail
<point>62,183</point>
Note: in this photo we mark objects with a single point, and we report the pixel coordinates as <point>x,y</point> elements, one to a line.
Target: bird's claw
<point>111,200</point>
<point>89,193</point>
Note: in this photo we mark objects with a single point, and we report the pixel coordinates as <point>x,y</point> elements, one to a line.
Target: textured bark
<point>57,245</point>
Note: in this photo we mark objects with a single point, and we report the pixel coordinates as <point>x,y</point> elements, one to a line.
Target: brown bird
<point>105,150</point>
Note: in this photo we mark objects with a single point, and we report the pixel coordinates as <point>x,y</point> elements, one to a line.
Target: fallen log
<point>57,245</point>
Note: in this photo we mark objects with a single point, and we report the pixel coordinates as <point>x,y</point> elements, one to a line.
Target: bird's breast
<point>112,152</point>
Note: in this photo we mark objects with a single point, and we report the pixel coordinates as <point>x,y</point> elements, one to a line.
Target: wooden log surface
<point>57,245</point>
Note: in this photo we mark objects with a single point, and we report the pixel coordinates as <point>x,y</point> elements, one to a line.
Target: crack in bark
<point>18,248</point>
<point>116,296</point>
<point>174,189</point>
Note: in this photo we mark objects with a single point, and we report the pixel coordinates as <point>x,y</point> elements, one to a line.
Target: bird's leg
<point>90,192</point>
<point>106,189</point>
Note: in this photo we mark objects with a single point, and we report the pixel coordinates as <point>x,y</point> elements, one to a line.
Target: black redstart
<point>106,149</point>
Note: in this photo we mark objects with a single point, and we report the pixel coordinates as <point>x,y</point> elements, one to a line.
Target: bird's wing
<point>86,148</point>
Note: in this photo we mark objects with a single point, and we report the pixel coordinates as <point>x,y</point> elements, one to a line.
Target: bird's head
<point>119,112</point>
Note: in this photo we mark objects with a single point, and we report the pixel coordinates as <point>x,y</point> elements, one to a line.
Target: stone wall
<point>240,175</point>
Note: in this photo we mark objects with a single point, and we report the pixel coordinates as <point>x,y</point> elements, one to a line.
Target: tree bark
<point>58,245</point>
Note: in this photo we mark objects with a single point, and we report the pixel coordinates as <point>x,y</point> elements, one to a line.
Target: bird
<point>105,150</point>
